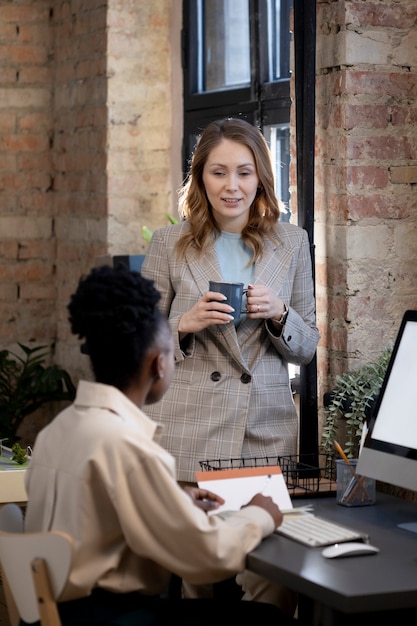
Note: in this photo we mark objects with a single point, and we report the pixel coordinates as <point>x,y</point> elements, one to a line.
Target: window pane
<point>278,138</point>
<point>278,38</point>
<point>223,44</point>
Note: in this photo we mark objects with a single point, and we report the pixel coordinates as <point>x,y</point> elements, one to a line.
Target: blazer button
<point>215,376</point>
<point>245,378</point>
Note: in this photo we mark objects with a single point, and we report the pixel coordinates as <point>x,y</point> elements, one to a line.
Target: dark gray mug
<point>234,293</point>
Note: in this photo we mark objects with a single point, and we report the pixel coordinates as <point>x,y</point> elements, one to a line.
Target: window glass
<point>223,44</point>
<point>278,138</point>
<point>237,63</point>
<point>278,39</point>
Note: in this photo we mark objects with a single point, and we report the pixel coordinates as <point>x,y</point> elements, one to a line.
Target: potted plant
<point>349,404</point>
<point>26,383</point>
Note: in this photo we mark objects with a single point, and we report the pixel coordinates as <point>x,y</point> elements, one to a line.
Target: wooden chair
<point>35,568</point>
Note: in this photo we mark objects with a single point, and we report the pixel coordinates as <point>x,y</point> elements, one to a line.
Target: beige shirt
<point>98,473</point>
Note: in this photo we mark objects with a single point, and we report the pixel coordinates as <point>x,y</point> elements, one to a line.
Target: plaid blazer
<point>230,396</point>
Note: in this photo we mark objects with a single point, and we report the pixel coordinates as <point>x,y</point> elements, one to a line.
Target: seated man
<point>98,473</point>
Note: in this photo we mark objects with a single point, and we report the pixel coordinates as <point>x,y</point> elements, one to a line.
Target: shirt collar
<point>98,395</point>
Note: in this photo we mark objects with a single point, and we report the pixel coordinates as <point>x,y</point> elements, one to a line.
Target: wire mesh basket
<point>305,475</point>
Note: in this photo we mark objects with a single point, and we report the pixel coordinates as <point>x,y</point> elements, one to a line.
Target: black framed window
<point>220,39</point>
<point>236,62</point>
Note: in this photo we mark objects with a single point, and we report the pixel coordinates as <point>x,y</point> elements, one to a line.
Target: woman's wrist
<point>282,319</point>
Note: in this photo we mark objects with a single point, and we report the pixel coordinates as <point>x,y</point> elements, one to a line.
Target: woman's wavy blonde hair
<point>194,206</point>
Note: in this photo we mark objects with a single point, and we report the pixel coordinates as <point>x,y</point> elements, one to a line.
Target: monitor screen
<point>389,452</point>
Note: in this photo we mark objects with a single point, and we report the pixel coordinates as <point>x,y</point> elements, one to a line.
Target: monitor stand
<point>410,526</point>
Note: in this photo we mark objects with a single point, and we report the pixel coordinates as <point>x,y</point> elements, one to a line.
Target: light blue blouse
<point>233,257</point>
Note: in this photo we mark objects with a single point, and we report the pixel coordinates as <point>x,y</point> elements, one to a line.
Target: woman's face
<point>231,181</point>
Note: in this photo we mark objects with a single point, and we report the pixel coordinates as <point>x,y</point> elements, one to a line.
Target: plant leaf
<point>26,384</point>
<point>147,233</point>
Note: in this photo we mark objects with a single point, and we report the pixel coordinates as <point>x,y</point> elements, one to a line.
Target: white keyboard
<point>315,531</point>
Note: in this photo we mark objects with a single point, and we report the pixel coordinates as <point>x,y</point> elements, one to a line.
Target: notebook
<point>237,486</point>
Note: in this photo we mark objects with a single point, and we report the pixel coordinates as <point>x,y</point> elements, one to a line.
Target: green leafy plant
<point>19,455</point>
<point>353,394</point>
<point>147,232</point>
<point>26,384</point>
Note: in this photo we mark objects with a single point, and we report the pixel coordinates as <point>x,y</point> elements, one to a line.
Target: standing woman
<point>230,396</point>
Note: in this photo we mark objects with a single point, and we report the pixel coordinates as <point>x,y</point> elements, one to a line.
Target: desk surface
<point>380,582</point>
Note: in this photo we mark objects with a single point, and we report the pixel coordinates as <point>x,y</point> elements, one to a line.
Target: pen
<point>266,484</point>
<point>350,490</point>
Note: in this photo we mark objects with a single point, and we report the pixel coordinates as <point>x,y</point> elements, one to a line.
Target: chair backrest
<point>35,568</point>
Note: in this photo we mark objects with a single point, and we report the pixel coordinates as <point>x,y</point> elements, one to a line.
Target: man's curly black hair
<point>115,310</point>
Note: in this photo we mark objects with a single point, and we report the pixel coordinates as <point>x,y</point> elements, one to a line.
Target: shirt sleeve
<point>161,523</point>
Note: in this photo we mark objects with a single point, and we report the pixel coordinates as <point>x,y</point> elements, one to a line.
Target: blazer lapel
<point>272,268</point>
<point>203,269</point>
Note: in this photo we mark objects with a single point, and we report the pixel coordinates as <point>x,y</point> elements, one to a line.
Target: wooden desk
<point>354,589</point>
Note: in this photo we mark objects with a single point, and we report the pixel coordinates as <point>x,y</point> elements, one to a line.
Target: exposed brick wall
<point>116,126</point>
<point>27,246</point>
<point>79,149</point>
<point>90,149</point>
<point>366,157</point>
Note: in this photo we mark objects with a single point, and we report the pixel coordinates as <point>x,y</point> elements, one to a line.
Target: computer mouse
<point>350,548</point>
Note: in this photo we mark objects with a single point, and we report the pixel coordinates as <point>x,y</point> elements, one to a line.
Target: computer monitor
<point>131,261</point>
<point>389,452</point>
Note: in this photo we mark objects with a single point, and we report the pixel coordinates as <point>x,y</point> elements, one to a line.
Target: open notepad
<point>238,486</point>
